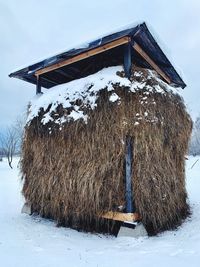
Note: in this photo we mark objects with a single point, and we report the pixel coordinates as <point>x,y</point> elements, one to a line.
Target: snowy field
<point>32,241</point>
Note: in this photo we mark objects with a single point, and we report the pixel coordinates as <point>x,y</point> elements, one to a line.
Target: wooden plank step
<point>120,216</point>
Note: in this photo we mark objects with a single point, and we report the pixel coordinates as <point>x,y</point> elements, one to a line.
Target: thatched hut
<point>73,159</point>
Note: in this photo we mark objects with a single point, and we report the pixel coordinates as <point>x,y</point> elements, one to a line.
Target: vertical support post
<point>127,60</point>
<point>38,86</point>
<point>130,207</point>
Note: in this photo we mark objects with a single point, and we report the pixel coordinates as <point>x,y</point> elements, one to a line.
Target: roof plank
<point>151,62</point>
<point>84,55</point>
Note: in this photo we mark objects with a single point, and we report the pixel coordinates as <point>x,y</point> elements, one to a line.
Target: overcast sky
<point>31,30</point>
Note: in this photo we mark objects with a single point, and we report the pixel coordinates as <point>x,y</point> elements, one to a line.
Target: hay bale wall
<point>74,171</point>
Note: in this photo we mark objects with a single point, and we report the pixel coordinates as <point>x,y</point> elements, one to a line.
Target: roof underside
<point>91,64</point>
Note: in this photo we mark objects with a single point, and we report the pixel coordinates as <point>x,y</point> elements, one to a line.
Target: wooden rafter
<point>48,80</point>
<point>64,73</point>
<point>151,62</point>
<point>84,55</point>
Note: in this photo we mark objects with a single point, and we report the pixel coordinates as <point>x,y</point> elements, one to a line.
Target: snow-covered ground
<point>32,241</point>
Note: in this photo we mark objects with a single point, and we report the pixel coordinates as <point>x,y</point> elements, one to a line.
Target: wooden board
<point>151,62</point>
<point>120,216</point>
<point>84,55</point>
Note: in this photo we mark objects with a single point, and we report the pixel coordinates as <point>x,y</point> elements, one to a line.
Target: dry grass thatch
<point>74,174</point>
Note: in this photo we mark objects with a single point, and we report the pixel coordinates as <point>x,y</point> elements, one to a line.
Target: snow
<point>86,90</point>
<point>76,115</point>
<point>114,97</point>
<point>32,241</point>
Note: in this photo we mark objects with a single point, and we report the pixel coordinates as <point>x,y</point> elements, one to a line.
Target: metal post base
<point>132,230</point>
<point>26,209</point>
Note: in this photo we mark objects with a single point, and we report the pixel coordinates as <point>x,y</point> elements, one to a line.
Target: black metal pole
<point>38,86</point>
<point>127,60</point>
<point>130,207</point>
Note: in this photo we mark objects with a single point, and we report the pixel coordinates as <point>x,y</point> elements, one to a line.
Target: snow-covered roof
<point>92,64</point>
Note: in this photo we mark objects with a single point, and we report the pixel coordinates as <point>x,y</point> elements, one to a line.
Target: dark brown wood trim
<point>151,62</point>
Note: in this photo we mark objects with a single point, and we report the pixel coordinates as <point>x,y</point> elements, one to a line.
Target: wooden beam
<point>74,69</point>
<point>122,217</point>
<point>151,62</point>
<point>48,80</point>
<point>85,55</point>
<point>87,68</point>
<point>65,74</point>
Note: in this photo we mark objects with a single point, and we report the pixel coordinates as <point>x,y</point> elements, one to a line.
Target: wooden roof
<point>103,52</point>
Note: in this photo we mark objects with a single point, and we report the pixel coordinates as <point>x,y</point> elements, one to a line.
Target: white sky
<point>31,30</point>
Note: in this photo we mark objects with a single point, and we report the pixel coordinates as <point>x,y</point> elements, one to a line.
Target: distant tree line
<point>11,140</point>
<point>194,148</point>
